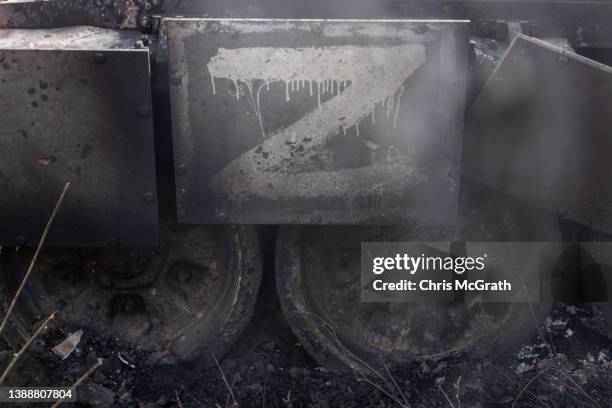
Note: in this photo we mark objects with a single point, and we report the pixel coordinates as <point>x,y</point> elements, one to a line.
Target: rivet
<point>146,22</point>
<point>148,197</point>
<point>214,27</point>
<point>144,111</point>
<point>99,58</point>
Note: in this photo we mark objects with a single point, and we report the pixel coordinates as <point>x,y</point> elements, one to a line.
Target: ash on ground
<point>567,364</point>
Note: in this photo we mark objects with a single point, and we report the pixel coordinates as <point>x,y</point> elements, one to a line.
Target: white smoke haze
<point>537,132</point>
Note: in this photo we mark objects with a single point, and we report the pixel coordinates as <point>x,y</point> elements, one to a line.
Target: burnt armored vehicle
<point>184,126</point>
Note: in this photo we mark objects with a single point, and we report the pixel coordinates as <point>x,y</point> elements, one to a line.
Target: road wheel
<point>194,293</point>
<point>318,281</point>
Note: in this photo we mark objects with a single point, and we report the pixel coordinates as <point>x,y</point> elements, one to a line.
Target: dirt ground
<point>568,364</point>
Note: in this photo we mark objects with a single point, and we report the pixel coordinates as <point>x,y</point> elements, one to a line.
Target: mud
<point>569,364</point>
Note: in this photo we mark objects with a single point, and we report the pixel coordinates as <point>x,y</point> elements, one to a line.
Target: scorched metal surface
<point>82,116</point>
<point>540,131</point>
<point>294,121</point>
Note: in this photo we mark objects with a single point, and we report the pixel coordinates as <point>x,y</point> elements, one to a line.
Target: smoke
<point>538,132</point>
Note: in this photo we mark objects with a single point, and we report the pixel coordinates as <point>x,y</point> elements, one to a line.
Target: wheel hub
<point>171,302</point>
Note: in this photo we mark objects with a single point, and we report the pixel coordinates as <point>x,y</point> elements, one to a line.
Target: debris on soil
<point>95,395</point>
<point>124,361</point>
<point>268,367</point>
<point>66,347</point>
<point>16,356</point>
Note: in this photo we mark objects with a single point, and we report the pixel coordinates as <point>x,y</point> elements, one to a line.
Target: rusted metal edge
<point>123,14</point>
<point>80,37</point>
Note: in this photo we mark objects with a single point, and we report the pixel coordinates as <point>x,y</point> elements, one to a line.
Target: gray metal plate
<point>82,116</point>
<point>541,130</point>
<point>584,23</point>
<point>296,121</point>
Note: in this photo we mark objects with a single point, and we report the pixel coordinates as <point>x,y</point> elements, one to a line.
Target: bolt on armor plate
<point>296,121</point>
<point>76,115</point>
<point>540,131</point>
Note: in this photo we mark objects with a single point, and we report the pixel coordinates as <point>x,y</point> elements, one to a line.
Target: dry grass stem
<point>81,379</point>
<point>35,257</point>
<point>227,385</point>
<point>25,347</point>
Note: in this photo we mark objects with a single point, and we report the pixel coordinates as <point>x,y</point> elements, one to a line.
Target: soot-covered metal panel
<point>295,121</point>
<point>82,116</point>
<point>541,130</point>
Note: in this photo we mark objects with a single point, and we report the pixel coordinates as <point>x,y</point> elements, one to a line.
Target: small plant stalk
<point>80,380</point>
<point>25,347</point>
<point>35,257</point>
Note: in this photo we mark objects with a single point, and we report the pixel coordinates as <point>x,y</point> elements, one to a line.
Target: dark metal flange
<point>195,295</point>
<point>318,281</point>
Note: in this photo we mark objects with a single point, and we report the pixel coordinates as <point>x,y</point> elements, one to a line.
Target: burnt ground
<point>568,364</point>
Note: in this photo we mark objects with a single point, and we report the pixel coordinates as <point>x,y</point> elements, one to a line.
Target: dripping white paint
<point>360,78</point>
<point>364,76</point>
